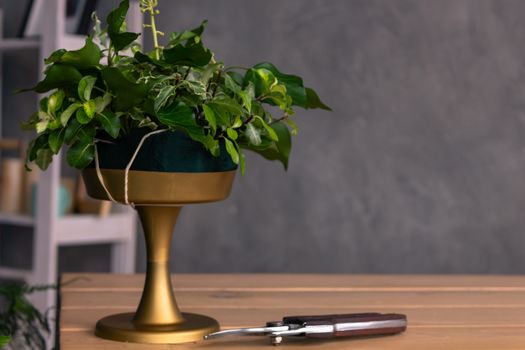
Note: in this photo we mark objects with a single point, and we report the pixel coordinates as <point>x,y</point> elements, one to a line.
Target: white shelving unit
<point>51,231</point>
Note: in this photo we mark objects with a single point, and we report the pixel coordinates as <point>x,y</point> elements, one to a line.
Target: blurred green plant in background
<point>22,325</point>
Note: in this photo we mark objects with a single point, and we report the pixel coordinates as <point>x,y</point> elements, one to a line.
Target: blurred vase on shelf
<point>65,199</point>
<point>11,179</point>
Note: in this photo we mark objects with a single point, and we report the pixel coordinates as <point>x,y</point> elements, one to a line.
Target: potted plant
<point>22,325</point>
<point>158,130</point>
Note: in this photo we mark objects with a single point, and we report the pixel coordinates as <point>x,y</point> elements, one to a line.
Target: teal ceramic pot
<point>170,151</point>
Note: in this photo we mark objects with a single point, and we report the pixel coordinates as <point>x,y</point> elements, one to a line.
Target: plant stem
<point>154,32</point>
<point>261,97</point>
<point>149,6</point>
<point>99,89</point>
<point>249,119</point>
<point>285,116</point>
<point>217,82</point>
<point>186,74</point>
<point>110,61</point>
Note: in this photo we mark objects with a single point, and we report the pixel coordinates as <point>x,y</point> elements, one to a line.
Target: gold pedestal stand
<point>158,198</point>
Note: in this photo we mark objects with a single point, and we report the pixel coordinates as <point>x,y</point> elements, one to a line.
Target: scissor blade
<point>247,331</point>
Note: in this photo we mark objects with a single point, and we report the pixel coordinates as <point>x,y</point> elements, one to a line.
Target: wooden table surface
<point>444,312</point>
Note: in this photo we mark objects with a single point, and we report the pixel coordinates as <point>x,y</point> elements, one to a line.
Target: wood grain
<point>444,312</point>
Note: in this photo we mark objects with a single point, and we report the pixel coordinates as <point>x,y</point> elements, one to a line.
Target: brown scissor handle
<point>351,318</point>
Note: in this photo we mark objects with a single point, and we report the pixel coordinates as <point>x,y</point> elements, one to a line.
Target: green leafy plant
<point>4,340</point>
<point>22,326</point>
<point>179,86</point>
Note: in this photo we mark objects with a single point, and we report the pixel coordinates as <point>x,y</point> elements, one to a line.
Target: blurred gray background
<point>419,169</point>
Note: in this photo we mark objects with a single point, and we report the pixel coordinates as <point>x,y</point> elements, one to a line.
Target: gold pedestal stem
<point>158,319</point>
<point>158,306</point>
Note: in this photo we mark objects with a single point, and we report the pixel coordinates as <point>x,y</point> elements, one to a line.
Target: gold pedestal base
<point>158,197</point>
<point>121,328</point>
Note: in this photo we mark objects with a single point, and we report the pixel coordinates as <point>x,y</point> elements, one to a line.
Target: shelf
<point>14,273</point>
<point>16,219</point>
<point>19,44</point>
<point>92,229</point>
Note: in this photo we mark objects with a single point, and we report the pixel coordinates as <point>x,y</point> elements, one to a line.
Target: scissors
<point>324,326</point>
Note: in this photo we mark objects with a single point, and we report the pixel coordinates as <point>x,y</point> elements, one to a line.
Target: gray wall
<point>421,166</point>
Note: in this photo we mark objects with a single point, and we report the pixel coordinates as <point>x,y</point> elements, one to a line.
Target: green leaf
<point>195,87</point>
<point>54,101</point>
<point>72,130</point>
<point>44,156</point>
<point>313,100</point>
<point>37,144</point>
<point>82,116</point>
<point>55,56</point>
<point>212,145</point>
<point>294,84</point>
<point>237,123</point>
<point>262,80</point>
<point>292,124</point>
<point>269,88</point>
<point>88,56</point>
<point>85,86</point>
<point>232,134</point>
<point>225,108</point>
<point>101,102</point>
<point>247,95</point>
<point>193,35</point>
<point>122,40</point>
<point>276,150</point>
<point>86,133</point>
<point>179,116</point>
<point>57,76</point>
<point>232,151</point>
<point>4,340</point>
<point>164,94</point>
<point>232,84</point>
<point>279,96</point>
<point>253,134</point>
<point>43,122</point>
<point>30,124</point>
<point>193,55</point>
<point>81,154</point>
<point>285,140</point>
<point>54,124</point>
<point>56,140</point>
<point>258,109</point>
<point>68,112</point>
<point>99,33</point>
<point>208,71</point>
<point>127,93</point>
<point>90,107</point>
<point>43,103</point>
<point>175,114</point>
<point>110,122</point>
<point>271,133</point>
<point>115,20</point>
<point>236,76</point>
<point>143,58</point>
<point>242,162</point>
<point>209,115</point>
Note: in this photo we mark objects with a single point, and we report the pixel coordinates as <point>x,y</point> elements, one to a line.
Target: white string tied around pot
<point>126,170</point>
